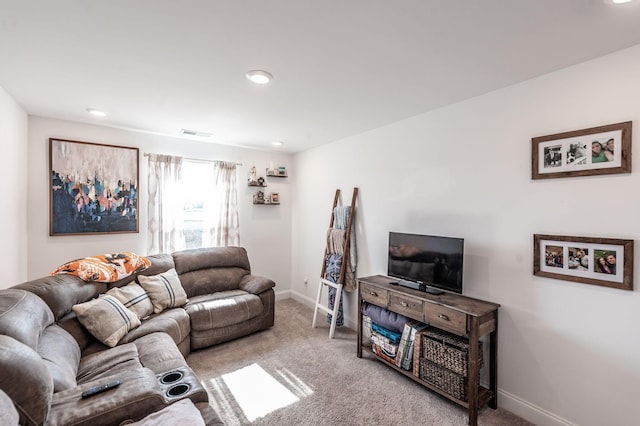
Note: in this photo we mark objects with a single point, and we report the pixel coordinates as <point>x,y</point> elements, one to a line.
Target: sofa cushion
<point>174,322</point>
<point>134,298</point>
<point>26,380</point>
<point>211,257</point>
<point>207,281</point>
<point>61,292</point>
<point>108,362</point>
<point>61,353</point>
<point>165,290</point>
<point>104,268</point>
<point>106,318</point>
<point>222,309</point>
<point>207,270</point>
<point>23,316</point>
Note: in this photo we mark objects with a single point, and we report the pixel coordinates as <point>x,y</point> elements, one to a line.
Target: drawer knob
<point>444,317</point>
<point>373,293</point>
<point>405,304</point>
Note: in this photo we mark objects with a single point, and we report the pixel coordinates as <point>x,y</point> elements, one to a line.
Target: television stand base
<point>412,284</point>
<point>432,290</point>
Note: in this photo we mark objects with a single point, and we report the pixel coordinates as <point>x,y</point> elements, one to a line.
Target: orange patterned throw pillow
<point>105,268</point>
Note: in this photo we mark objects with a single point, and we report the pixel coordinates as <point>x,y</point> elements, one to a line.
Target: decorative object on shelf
<point>258,198</point>
<point>94,188</point>
<point>279,172</point>
<point>594,151</point>
<point>253,175</point>
<point>259,182</point>
<point>606,262</point>
<point>275,198</point>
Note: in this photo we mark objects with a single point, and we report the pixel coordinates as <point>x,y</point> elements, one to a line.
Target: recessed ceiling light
<point>618,1</point>
<point>96,112</point>
<point>277,143</point>
<point>259,76</point>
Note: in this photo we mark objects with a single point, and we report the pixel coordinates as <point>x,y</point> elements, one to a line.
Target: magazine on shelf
<point>408,351</point>
<point>404,340</point>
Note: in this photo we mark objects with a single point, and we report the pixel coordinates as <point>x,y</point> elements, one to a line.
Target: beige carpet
<point>292,374</point>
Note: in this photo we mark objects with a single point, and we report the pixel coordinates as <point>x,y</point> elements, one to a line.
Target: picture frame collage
<point>599,261</point>
<point>593,151</point>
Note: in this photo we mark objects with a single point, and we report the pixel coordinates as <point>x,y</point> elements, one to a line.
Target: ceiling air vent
<point>195,133</point>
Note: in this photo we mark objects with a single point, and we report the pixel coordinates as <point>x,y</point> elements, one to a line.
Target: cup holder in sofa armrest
<point>182,383</point>
<point>178,390</point>
<point>171,377</point>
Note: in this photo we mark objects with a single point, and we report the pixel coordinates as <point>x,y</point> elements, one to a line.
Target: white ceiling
<point>341,67</point>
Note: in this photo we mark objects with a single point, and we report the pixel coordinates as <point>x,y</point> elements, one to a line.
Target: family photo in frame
<point>599,261</point>
<point>593,151</point>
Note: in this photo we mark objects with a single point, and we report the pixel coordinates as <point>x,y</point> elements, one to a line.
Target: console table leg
<point>493,370</point>
<point>474,371</point>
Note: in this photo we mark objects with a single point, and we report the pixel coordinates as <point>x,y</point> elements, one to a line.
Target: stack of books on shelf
<point>384,342</point>
<point>404,359</point>
<point>394,347</point>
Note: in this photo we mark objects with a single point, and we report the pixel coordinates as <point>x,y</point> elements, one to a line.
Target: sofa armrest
<point>139,394</point>
<point>255,285</point>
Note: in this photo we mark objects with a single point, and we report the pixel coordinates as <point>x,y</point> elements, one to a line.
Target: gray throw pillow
<point>134,298</point>
<point>165,290</point>
<point>106,319</point>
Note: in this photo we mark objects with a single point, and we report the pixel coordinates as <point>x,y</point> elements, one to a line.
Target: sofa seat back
<point>36,356</point>
<point>212,269</point>
<point>26,318</point>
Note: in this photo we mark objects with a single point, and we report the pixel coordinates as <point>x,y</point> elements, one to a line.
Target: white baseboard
<point>528,411</point>
<point>311,303</point>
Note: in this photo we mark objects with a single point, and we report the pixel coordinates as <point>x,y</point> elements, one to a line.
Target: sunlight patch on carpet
<point>257,392</point>
<point>299,387</point>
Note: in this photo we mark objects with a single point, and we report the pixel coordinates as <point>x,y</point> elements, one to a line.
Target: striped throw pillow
<point>165,290</point>
<point>106,319</point>
<point>134,298</point>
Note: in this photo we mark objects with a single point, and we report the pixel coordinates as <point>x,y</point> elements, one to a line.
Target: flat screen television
<point>426,262</point>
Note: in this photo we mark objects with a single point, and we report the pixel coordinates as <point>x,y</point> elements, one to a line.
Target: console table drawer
<point>375,295</point>
<point>446,318</point>
<point>406,305</point>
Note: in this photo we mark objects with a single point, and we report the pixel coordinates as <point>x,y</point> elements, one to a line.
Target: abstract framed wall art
<point>600,261</point>
<point>94,188</point>
<point>594,151</point>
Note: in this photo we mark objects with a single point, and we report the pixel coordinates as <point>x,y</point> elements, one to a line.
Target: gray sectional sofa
<point>48,358</point>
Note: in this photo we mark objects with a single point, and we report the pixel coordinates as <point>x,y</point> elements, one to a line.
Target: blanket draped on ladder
<point>335,255</point>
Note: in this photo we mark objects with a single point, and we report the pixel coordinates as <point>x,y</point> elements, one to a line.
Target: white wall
<point>13,214</point>
<point>568,352</point>
<point>265,231</point>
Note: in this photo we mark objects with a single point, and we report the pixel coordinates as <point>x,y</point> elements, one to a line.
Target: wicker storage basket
<point>446,380</point>
<point>448,350</point>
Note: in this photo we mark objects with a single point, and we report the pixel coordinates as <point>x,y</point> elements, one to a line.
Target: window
<point>199,215</point>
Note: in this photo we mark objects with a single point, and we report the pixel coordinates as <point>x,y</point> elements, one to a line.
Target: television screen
<point>426,260</point>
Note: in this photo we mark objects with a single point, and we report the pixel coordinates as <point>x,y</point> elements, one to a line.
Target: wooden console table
<point>457,314</point>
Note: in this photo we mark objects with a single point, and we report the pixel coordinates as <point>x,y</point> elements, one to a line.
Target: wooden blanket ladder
<point>345,260</point>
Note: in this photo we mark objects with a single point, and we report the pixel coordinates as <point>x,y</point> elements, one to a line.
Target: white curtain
<point>165,232</point>
<point>226,229</point>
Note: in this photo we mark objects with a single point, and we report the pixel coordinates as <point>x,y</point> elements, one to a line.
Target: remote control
<point>102,388</point>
